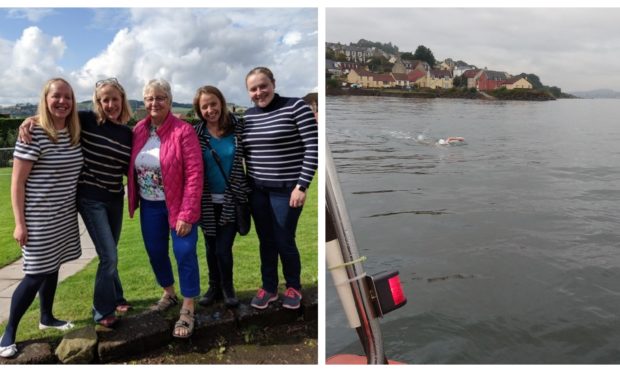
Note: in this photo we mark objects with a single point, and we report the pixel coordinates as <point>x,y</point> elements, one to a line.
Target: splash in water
<point>424,140</point>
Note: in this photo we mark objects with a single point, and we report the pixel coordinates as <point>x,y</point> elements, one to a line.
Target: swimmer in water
<point>451,140</point>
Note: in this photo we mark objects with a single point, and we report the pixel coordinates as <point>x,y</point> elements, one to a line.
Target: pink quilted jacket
<point>181,166</point>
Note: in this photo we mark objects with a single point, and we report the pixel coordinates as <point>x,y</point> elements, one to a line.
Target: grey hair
<point>158,84</point>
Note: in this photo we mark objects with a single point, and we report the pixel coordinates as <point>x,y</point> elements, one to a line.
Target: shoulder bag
<point>242,210</point>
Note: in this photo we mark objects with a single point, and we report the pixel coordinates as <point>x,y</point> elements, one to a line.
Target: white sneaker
<point>68,325</point>
<point>8,351</point>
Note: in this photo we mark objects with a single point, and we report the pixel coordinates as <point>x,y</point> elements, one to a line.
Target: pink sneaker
<point>292,298</point>
<point>263,298</point>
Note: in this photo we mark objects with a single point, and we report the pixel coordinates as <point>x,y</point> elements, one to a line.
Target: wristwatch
<point>302,188</point>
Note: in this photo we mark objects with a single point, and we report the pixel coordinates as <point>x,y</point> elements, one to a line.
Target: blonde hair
<point>98,108</point>
<point>46,121</point>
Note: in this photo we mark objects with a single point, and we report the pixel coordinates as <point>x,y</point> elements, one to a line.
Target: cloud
<point>31,14</point>
<point>291,38</point>
<point>190,47</point>
<point>33,60</point>
<point>194,47</point>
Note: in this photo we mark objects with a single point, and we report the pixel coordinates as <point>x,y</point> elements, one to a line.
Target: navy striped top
<point>107,149</point>
<point>281,143</point>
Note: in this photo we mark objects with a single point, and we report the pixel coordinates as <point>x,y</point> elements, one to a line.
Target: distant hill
<point>137,104</point>
<point>29,109</point>
<point>598,93</point>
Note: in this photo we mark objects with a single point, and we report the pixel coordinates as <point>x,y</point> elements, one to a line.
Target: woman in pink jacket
<point>165,180</point>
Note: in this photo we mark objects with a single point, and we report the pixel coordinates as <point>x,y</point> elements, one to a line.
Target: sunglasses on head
<point>106,81</point>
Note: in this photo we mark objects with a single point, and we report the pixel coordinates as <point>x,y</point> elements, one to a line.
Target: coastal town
<point>372,67</point>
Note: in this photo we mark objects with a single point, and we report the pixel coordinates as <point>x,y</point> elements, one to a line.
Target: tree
<point>379,64</point>
<point>332,83</point>
<point>11,138</point>
<point>537,84</point>
<point>555,91</point>
<point>388,48</point>
<point>533,79</point>
<point>459,82</point>
<point>423,53</point>
<point>330,54</point>
<point>340,57</point>
<point>407,56</point>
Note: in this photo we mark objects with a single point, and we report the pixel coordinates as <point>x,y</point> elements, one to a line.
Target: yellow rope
<point>345,264</point>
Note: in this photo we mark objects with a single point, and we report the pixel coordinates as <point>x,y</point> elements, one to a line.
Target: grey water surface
<point>508,246</point>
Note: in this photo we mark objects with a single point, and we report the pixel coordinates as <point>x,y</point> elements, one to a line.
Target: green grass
<point>74,295</point>
<point>9,250</point>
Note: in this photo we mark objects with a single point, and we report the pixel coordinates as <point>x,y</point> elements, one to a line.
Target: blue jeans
<point>156,234</point>
<point>219,253</point>
<point>104,221</point>
<point>275,223</point>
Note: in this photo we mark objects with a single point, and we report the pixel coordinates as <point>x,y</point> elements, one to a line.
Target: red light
<point>386,292</point>
<point>397,290</point>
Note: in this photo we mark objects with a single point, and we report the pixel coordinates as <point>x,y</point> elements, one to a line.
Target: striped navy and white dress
<point>50,201</point>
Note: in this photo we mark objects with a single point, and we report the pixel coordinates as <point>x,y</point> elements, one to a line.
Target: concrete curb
<point>150,330</point>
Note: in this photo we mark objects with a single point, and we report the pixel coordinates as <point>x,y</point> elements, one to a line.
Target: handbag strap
<point>217,159</point>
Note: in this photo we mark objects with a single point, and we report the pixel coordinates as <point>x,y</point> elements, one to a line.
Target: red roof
<point>383,77</point>
<point>362,72</point>
<point>415,75</point>
<point>400,77</point>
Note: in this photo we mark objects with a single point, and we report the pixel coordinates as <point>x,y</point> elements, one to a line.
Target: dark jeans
<point>219,253</point>
<point>104,221</point>
<point>275,223</point>
<point>156,234</point>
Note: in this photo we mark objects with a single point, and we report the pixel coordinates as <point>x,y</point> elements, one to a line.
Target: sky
<point>576,49</point>
<point>189,47</point>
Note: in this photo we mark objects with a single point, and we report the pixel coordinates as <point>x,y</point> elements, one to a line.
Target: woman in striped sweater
<point>218,132</point>
<point>106,143</point>
<point>280,139</point>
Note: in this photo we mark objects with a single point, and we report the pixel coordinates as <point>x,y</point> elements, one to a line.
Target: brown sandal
<point>183,324</point>
<point>109,321</point>
<point>123,308</point>
<point>165,303</point>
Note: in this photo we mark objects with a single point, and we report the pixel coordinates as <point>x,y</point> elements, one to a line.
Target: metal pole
<point>369,331</point>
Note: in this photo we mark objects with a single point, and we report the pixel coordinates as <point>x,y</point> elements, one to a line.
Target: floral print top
<point>148,169</point>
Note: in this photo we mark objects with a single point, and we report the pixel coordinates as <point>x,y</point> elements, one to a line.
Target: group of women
<point>179,176</point>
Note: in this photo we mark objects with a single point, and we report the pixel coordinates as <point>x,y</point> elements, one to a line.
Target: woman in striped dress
<point>280,139</point>
<point>43,195</point>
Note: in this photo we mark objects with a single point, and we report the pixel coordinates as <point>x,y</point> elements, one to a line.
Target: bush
<point>332,83</point>
<point>8,131</point>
